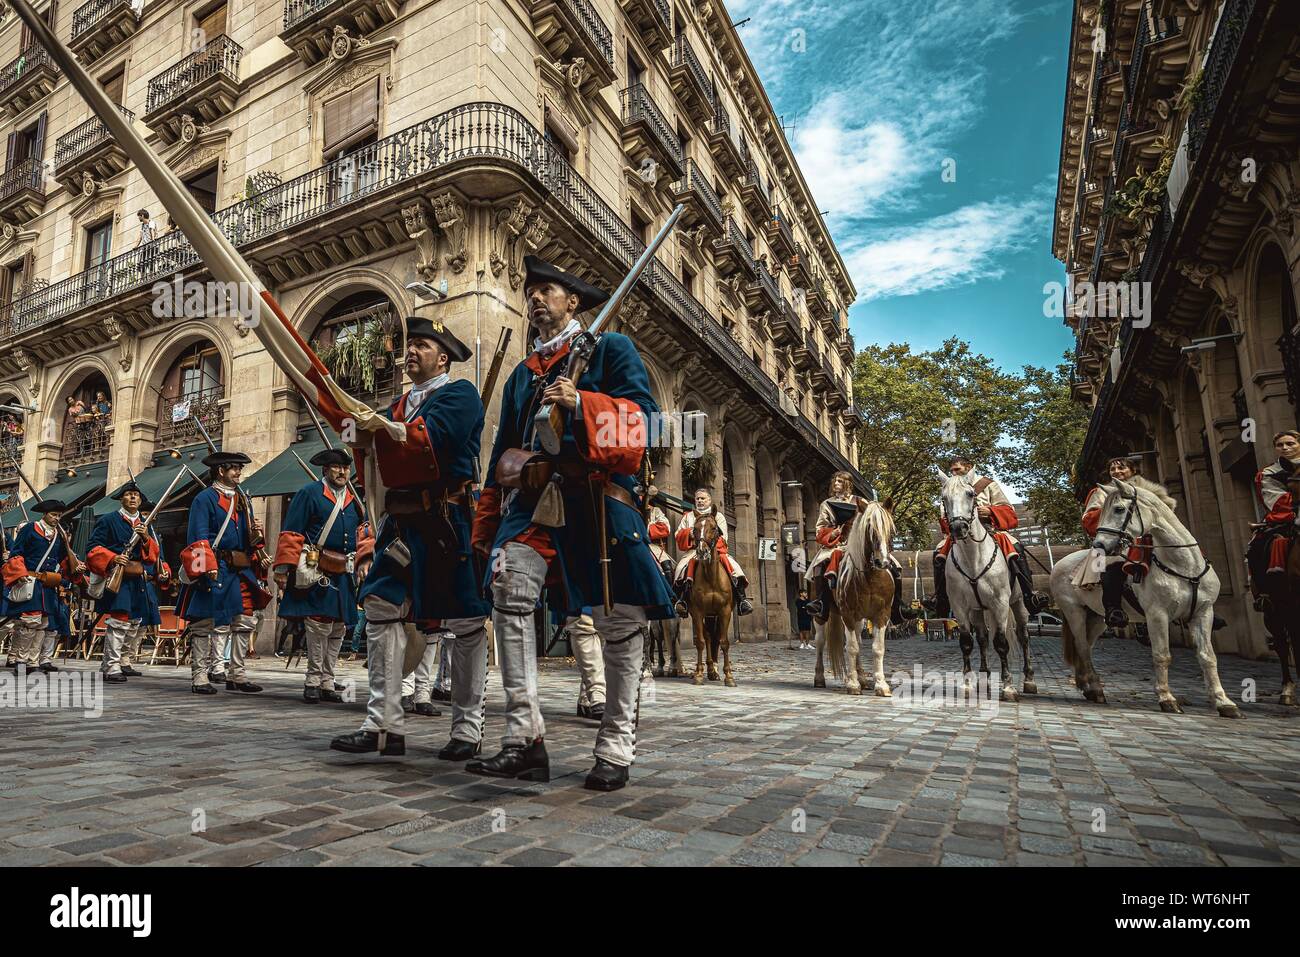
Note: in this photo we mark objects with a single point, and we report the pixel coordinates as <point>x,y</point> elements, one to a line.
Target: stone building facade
<point>350,147</point>
<point>1180,182</point>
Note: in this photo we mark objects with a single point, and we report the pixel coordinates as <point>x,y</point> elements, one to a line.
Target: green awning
<point>283,475</point>
<point>153,481</point>
<point>76,491</point>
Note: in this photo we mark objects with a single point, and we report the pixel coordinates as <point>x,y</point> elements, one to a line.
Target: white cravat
<point>552,346</point>
<point>132,517</point>
<point>420,391</point>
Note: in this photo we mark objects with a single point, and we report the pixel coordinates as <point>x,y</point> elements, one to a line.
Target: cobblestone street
<point>771,772</point>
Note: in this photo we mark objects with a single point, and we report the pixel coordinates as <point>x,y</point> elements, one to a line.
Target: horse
<point>1282,613</point>
<point>711,604</point>
<point>984,597</point>
<point>664,632</point>
<point>1180,586</point>
<point>863,596</point>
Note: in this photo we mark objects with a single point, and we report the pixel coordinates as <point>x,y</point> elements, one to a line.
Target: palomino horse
<point>1180,586</point>
<point>863,596</point>
<point>1282,616</point>
<point>710,604</point>
<point>664,632</point>
<point>985,599</point>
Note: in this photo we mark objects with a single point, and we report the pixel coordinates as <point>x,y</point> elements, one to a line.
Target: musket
<point>114,580</point>
<point>307,468</point>
<point>63,532</point>
<point>485,395</point>
<point>255,541</point>
<point>494,370</point>
<point>325,437</point>
<point>548,424</point>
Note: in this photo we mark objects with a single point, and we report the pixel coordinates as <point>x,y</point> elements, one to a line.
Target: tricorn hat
<point>539,270</point>
<point>439,333</point>
<point>128,487</point>
<point>49,505</point>
<point>331,457</point>
<point>218,459</point>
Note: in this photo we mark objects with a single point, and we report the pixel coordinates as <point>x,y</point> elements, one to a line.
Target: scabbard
<point>598,496</point>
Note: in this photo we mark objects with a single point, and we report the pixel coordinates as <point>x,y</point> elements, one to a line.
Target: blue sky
<point>881,94</point>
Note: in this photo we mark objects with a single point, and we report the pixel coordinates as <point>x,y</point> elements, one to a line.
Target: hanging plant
<point>357,356</point>
<point>698,472</point>
<point>1193,93</point>
<point>1141,196</point>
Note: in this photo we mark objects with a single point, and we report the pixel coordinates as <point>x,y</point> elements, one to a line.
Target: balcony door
<point>98,249</point>
<point>211,24</point>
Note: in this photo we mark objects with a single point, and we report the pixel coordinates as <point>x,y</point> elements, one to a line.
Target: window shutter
<point>28,274</point>
<point>335,120</point>
<point>38,144</point>
<point>10,150</point>
<point>351,117</point>
<point>113,87</point>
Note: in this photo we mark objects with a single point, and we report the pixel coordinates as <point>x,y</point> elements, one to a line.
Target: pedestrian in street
<point>805,619</point>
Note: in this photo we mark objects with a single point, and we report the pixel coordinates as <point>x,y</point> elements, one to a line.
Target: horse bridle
<point>1122,537</point>
<point>974,580</point>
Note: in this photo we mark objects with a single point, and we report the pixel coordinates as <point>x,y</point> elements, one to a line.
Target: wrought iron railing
<point>26,61</point>
<point>176,426</point>
<point>783,226</point>
<point>82,138</point>
<point>13,446</point>
<point>1218,65</point>
<point>300,11</point>
<point>696,180</point>
<point>684,56</point>
<point>88,14</point>
<point>1139,47</point>
<point>754,178</point>
<point>768,282</point>
<point>638,107</point>
<point>594,27</point>
<point>736,237</point>
<point>220,56</point>
<point>86,439</point>
<point>26,175</point>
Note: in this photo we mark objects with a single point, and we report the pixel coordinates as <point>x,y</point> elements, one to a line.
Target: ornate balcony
<point>22,191</point>
<point>779,234</point>
<point>13,452</point>
<point>205,85</point>
<point>784,325</point>
<point>702,205</point>
<point>176,428</point>
<point>753,192</point>
<point>763,293</point>
<point>807,358</point>
<point>647,134</point>
<point>309,25</point>
<point>848,349</point>
<point>724,141</point>
<point>816,298</point>
<point>733,253</point>
<point>690,82</point>
<point>829,320</point>
<point>652,19</point>
<point>1159,59</point>
<point>86,439</point>
<point>88,150</point>
<point>801,271</point>
<point>100,25</point>
<point>28,78</point>
<point>570,29</point>
<point>837,393</point>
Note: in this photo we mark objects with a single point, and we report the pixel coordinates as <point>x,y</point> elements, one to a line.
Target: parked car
<point>1045,625</point>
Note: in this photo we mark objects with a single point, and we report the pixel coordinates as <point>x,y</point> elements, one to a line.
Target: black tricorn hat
<point>128,487</point>
<point>49,505</point>
<point>331,457</point>
<point>539,270</point>
<point>439,333</point>
<point>218,459</point>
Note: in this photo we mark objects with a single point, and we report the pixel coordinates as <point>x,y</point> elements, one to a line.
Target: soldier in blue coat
<point>324,536</point>
<point>221,572</point>
<point>423,570</point>
<point>38,566</point>
<point>134,607</point>
<point>552,539</point>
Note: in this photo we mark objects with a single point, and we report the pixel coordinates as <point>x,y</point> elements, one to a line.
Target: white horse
<point>863,597</point>
<point>1180,586</point>
<point>983,596</point>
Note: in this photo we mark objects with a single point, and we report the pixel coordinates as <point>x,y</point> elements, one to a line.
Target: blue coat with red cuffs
<point>232,593</point>
<point>440,454</point>
<point>608,434</point>
<point>137,598</point>
<point>310,509</point>
<point>30,544</point>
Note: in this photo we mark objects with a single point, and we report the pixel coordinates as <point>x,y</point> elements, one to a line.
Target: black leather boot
<point>311,695</point>
<point>331,696</point>
<point>526,763</point>
<point>606,777</point>
<point>816,607</point>
<point>683,599</point>
<point>427,709</point>
<point>1034,602</point>
<point>458,750</point>
<point>937,603</point>
<point>408,703</point>
<point>368,742</point>
<point>743,605</point>
<point>1112,595</point>
<point>245,686</point>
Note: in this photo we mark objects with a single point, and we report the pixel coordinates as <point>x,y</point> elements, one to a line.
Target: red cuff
<point>1004,517</point>
<point>613,433</point>
<point>487,519</point>
<point>411,462</point>
<point>659,532</point>
<point>98,559</point>
<point>365,545</point>
<point>684,536</point>
<point>14,570</point>
<point>288,548</point>
<point>1091,519</point>
<point>828,536</point>
<point>198,559</point>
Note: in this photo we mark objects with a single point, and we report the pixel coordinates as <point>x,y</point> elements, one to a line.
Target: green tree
<point>1049,435</point>
<point>919,409</point>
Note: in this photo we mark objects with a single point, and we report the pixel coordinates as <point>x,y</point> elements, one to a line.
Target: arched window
<point>87,412</point>
<point>728,488</point>
<point>360,342</point>
<point>194,388</point>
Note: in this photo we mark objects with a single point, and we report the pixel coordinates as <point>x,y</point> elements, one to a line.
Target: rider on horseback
<point>996,512</point>
<point>1266,554</point>
<point>834,519</point>
<point>659,531</point>
<point>1122,468</point>
<point>686,565</point>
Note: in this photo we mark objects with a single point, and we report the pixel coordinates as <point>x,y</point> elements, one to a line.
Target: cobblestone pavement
<point>770,772</point>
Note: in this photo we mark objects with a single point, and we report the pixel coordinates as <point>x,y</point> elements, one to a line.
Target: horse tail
<point>1067,641</point>
<point>835,653</point>
<point>713,627</point>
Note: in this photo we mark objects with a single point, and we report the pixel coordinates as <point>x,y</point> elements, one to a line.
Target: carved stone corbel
<point>1202,274</point>
<point>520,229</point>
<point>450,215</point>
<point>28,364</point>
<point>634,316</point>
<point>119,335</point>
<point>415,220</point>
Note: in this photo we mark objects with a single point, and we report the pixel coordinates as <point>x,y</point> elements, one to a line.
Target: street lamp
<point>1208,343</point>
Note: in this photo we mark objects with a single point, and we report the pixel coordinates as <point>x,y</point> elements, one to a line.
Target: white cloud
<point>954,249</point>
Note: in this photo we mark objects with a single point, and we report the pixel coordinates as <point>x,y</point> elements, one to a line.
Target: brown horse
<point>864,594</point>
<point>710,604</point>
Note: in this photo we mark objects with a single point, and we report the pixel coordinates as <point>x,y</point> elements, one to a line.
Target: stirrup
<point>1116,618</point>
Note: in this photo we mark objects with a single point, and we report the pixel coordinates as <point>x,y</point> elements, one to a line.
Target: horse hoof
<point>853,689</point>
<point>1008,694</point>
<point>699,679</point>
<point>1030,687</point>
<point>883,690</point>
<point>1229,710</point>
<point>1171,707</point>
<point>819,682</point>
<point>713,676</point>
<point>1286,698</point>
<point>730,682</point>
<point>658,672</point>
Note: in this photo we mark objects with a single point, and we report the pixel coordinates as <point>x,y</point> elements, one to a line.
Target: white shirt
<point>420,391</point>
<point>551,346</point>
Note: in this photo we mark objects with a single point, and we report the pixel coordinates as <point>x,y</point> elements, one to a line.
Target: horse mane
<point>1156,489</point>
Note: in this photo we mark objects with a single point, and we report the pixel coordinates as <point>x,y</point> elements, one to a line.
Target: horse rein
<point>974,582</point>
